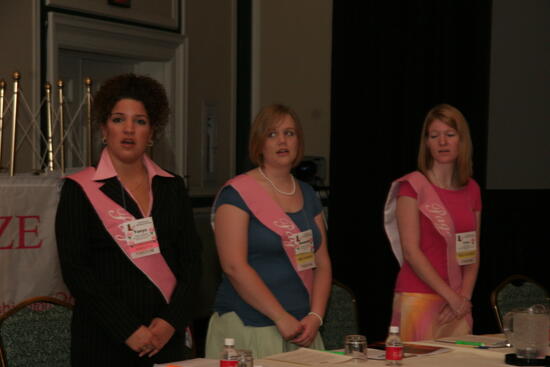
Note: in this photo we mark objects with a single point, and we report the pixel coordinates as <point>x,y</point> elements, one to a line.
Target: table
<point>459,356</point>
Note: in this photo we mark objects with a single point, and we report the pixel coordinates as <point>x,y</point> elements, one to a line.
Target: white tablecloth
<point>29,265</point>
<point>459,356</point>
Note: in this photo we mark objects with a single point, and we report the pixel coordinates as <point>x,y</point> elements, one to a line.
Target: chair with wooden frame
<point>36,332</point>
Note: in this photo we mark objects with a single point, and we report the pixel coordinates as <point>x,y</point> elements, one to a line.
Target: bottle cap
<point>394,329</point>
<point>229,341</point>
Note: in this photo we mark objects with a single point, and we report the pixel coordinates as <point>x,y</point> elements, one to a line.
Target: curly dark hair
<point>138,87</point>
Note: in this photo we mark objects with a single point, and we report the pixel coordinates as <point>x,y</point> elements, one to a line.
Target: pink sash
<point>273,217</point>
<point>113,216</point>
<point>431,206</point>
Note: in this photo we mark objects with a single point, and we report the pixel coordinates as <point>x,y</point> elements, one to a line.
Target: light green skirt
<point>262,341</point>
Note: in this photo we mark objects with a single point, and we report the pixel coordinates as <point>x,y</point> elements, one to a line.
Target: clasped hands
<point>455,309</point>
<point>150,340</point>
<point>301,332</point>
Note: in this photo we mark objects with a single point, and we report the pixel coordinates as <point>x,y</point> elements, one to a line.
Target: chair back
<point>340,316</point>
<point>36,332</point>
<point>516,292</point>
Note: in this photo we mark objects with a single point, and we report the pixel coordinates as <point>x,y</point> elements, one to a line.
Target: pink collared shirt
<point>105,170</point>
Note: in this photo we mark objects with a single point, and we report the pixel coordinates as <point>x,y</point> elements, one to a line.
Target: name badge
<point>141,237</point>
<point>466,248</point>
<point>304,249</point>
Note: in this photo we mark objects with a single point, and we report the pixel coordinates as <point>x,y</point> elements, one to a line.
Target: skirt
<point>417,316</point>
<point>263,341</point>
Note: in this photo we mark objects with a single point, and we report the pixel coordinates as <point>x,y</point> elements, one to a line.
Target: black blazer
<point>113,297</point>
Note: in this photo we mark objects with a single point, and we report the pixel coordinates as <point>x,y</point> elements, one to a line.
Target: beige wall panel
<point>294,40</point>
<point>210,32</point>
<point>162,13</point>
<point>20,52</point>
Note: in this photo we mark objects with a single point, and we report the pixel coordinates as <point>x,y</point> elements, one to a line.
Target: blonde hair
<point>452,117</point>
<point>267,118</point>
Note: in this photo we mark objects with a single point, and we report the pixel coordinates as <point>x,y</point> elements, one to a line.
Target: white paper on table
<point>272,363</point>
<point>380,354</point>
<point>308,357</point>
<point>377,354</point>
<point>197,362</point>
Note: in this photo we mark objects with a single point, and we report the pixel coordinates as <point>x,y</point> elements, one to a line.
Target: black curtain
<point>392,61</point>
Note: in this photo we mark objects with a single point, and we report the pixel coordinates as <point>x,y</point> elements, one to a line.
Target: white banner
<point>29,265</point>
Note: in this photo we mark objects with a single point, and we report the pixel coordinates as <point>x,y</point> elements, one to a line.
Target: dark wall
<point>392,62</point>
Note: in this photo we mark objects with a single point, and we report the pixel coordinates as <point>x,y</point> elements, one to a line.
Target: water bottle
<point>230,356</point>
<point>394,347</point>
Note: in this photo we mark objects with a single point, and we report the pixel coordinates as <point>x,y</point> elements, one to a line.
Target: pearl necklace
<point>290,193</point>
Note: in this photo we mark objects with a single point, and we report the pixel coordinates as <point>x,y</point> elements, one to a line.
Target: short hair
<point>452,117</point>
<point>137,87</point>
<point>267,118</point>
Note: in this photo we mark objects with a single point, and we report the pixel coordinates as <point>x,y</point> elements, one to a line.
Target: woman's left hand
<point>464,309</point>
<point>162,332</point>
<point>311,325</point>
<point>446,314</point>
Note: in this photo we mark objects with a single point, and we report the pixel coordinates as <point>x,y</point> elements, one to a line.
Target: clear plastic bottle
<point>394,347</point>
<point>230,356</point>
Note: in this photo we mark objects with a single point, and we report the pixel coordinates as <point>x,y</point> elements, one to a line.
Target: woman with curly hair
<point>127,243</point>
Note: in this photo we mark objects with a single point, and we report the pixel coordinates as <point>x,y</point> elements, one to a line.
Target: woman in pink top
<point>432,219</point>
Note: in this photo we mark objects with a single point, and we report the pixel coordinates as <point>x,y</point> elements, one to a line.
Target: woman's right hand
<point>460,305</point>
<point>456,307</point>
<point>141,341</point>
<point>289,327</point>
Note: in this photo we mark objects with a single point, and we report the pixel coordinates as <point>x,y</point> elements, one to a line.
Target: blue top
<point>267,256</point>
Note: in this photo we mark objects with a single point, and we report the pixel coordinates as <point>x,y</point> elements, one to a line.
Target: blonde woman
<point>272,246</point>
<point>432,219</point>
